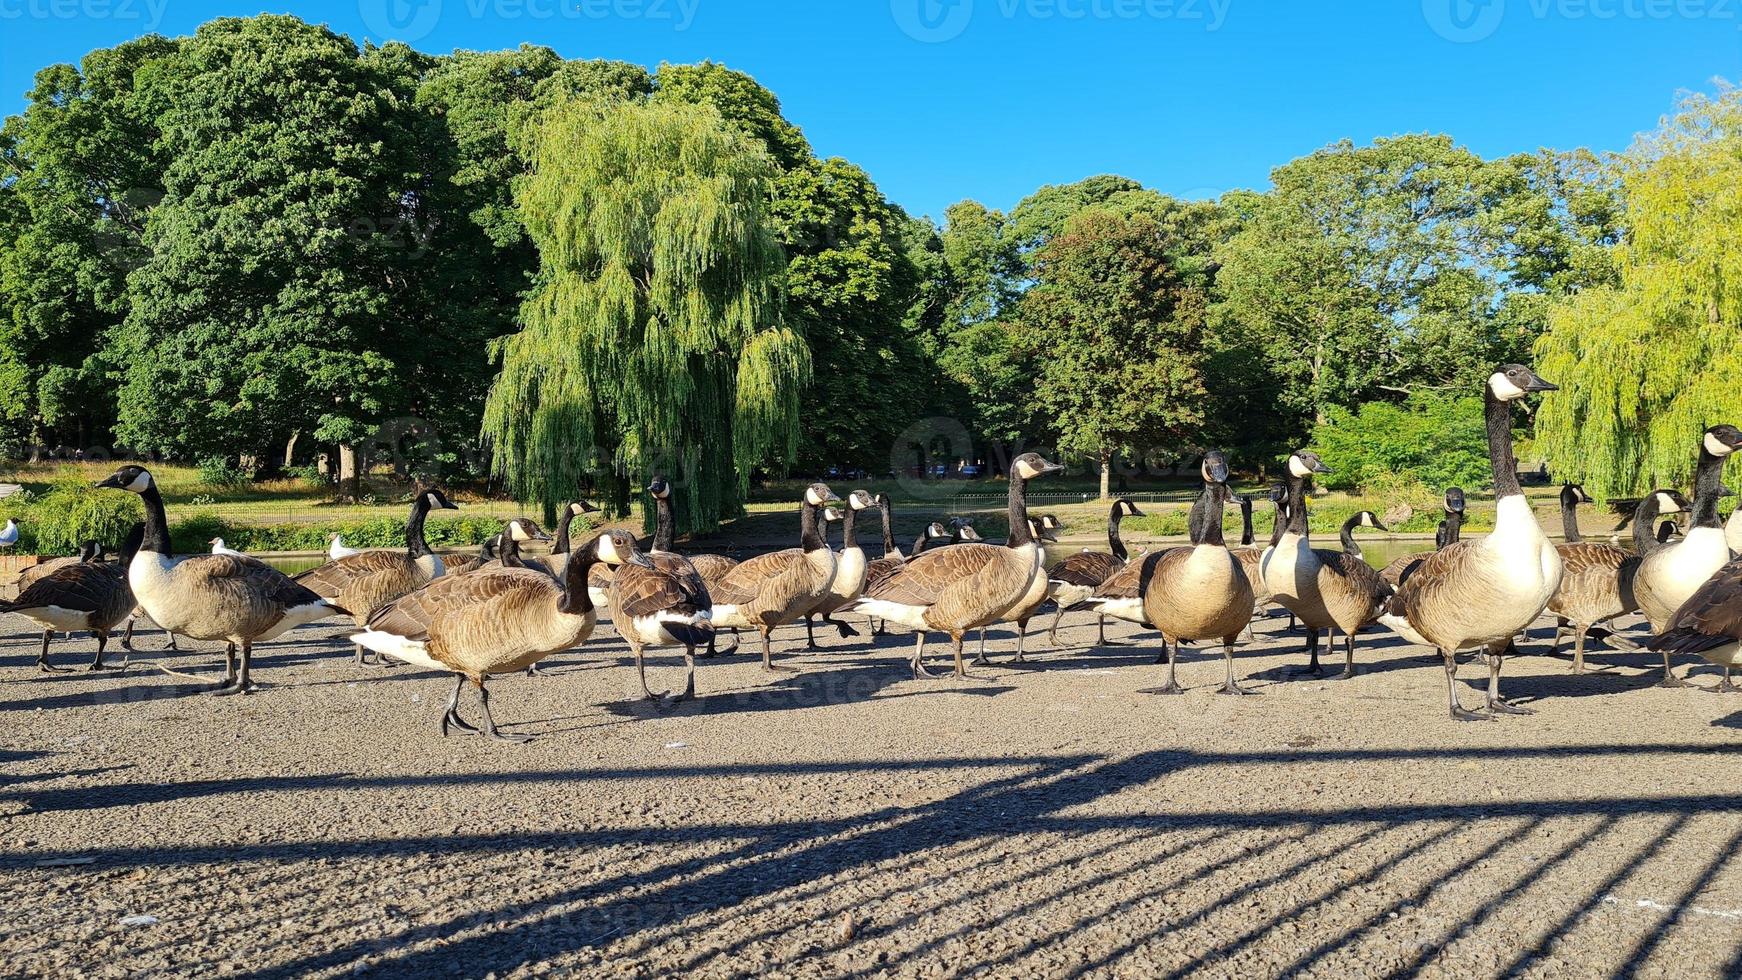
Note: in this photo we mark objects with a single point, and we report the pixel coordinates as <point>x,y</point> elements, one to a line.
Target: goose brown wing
<point>1401,567</point>
<point>1126,582</point>
<point>878,570</point>
<point>672,584</point>
<point>333,578</point>
<point>411,614</point>
<point>1582,556</point>
<point>1712,616</point>
<point>1431,581</point>
<point>924,577</point>
<point>240,573</point>
<point>1085,568</point>
<point>743,582</point>
<point>712,568</point>
<point>84,586</point>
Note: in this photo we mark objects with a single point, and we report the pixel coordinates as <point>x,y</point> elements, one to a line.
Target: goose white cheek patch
<point>1717,446</point>
<point>1298,467</point>
<point>140,482</point>
<point>1503,387</point>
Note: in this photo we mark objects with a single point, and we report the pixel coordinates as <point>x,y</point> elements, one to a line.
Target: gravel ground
<point>852,821</point>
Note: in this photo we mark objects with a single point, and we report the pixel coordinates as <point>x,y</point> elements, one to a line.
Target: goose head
<point>819,494</point>
<point>1214,467</point>
<point>659,487</point>
<point>1305,463</point>
<point>936,531</point>
<point>132,478</point>
<point>1369,519</point>
<point>525,529</point>
<point>90,551</point>
<point>1572,494</point>
<point>833,514</point>
<point>1030,465</point>
<point>963,529</point>
<point>1130,507</point>
<point>1455,500</point>
<point>580,507</point>
<point>436,500</point>
<point>1671,502</point>
<point>1510,382</point>
<point>618,547</point>
<point>1722,440</point>
<point>1045,527</point>
<point>860,500</point>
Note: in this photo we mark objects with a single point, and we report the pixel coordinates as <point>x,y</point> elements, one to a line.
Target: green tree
<point>1434,439</point>
<point>1115,327</point>
<point>654,335</point>
<point>1645,364</point>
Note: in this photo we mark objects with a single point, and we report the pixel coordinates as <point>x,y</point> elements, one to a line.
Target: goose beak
<point>1320,467</point>
<point>640,559</point>
<point>112,482</point>
<point>1052,468</point>
<point>1537,383</point>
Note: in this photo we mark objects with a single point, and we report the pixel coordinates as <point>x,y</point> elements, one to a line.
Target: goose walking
<point>1669,575</point>
<point>1484,592</point>
<point>966,586</point>
<point>1044,529</point>
<point>1076,577</point>
<point>364,582</point>
<point>664,603</point>
<point>241,601</point>
<point>83,595</point>
<point>496,621</point>
<point>1199,592</point>
<point>778,588</point>
<point>850,572</point>
<point>1596,579</point>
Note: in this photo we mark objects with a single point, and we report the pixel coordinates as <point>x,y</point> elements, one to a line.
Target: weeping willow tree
<point>653,337</point>
<point>1647,364</point>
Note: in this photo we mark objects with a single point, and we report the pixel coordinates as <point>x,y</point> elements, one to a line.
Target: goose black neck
<point>1297,515</point>
<point>1645,526</point>
<point>1113,542</point>
<point>1278,520</point>
<point>1206,520</point>
<point>508,552</point>
<point>1505,466</point>
<point>849,529</point>
<point>1708,487</point>
<point>921,543</point>
<point>1454,526</point>
<point>663,524</point>
<point>1246,536</point>
<point>1570,519</point>
<point>560,546</point>
<point>156,538</point>
<point>576,600</point>
<point>415,544</point>
<point>1348,536</point>
<point>810,536</point>
<point>1020,534</point>
<point>889,548</point>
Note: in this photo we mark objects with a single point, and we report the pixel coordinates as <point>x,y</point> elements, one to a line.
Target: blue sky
<point>945,99</point>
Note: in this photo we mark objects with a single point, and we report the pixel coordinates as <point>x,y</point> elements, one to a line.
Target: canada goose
<point>1324,589</point>
<point>965,586</point>
<point>1668,576</point>
<point>1709,623</point>
<point>1249,557</point>
<point>934,534</point>
<point>1044,528</point>
<point>456,565</point>
<point>1596,579</point>
<point>496,621</point>
<point>850,571</point>
<point>558,559</point>
<point>662,603</point>
<point>9,534</point>
<point>774,589</point>
<point>1484,592</point>
<point>1199,592</point>
<point>1668,532</point>
<point>212,597</point>
<point>892,554</point>
<point>505,547</point>
<point>83,595</point>
<point>1450,529</point>
<point>363,583</point>
<point>219,548</point>
<point>1077,576</point>
<point>711,568</point>
<point>337,548</point>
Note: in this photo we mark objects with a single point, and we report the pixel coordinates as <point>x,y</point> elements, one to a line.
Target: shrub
<point>217,473</point>
<point>71,512</point>
<point>1433,440</point>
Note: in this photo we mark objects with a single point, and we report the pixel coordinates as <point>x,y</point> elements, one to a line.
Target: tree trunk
<point>1106,474</point>
<point>348,473</point>
<point>290,449</point>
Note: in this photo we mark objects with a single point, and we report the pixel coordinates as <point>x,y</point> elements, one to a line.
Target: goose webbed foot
<point>48,668</point>
<point>228,688</point>
<point>1465,714</point>
<point>1170,687</point>
<point>1347,674</point>
<point>922,672</point>
<point>1233,688</point>
<point>1505,707</point>
<point>100,665</point>
<point>1310,670</point>
<point>1725,686</point>
<point>844,629</point>
<point>453,720</point>
<point>1671,680</point>
<point>490,730</point>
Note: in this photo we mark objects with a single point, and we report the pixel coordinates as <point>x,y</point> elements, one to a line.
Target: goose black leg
<point>1172,685</point>
<point>97,663</point>
<point>1229,685</point>
<point>1724,686</point>
<point>42,663</point>
<point>489,722</point>
<point>689,662</point>
<point>1669,677</point>
<point>880,627</point>
<point>228,684</point>
<point>840,626</point>
<point>1101,633</point>
<point>1312,669</point>
<point>641,669</point>
<point>360,656</point>
<point>1052,632</point>
<point>810,636</point>
<point>1458,711</point>
<point>980,658</point>
<point>768,663</point>
<point>1578,648</point>
<point>451,717</point>
<point>1496,703</point>
<point>1348,656</point>
<point>961,671</point>
<point>919,667</point>
<point>1021,642</point>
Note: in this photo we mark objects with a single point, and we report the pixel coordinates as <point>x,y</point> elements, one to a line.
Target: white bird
<point>9,535</point>
<point>338,549</point>
<point>219,548</point>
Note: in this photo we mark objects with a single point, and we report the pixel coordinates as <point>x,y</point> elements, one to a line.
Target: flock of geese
<point>499,612</point>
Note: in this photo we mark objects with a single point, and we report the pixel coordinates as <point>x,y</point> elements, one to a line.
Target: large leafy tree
<point>1115,323</point>
<point>654,336</point>
<point>266,304</point>
<point>1646,363</point>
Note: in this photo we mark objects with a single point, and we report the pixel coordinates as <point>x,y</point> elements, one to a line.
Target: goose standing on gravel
<point>850,572</point>
<point>241,601</point>
<point>1044,528</point>
<point>337,548</point>
<point>964,586</point>
<point>1709,624</point>
<point>83,595</point>
<point>1250,557</point>
<point>775,589</point>
<point>1596,579</point>
<point>1077,576</point>
<point>663,603</point>
<point>496,621</point>
<point>1669,575</point>
<point>1199,592</point>
<point>363,583</point>
<point>1482,593</point>
<point>711,568</point>
<point>1450,530</point>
